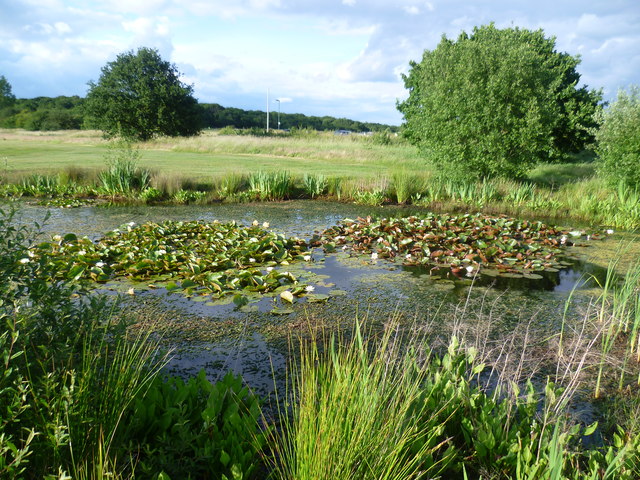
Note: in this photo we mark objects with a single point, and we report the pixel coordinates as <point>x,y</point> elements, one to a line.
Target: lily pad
<point>282,311</point>
<point>337,293</point>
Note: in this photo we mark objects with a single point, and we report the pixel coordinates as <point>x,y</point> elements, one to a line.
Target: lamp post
<point>278,100</point>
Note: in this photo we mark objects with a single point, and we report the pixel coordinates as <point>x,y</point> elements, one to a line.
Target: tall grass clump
<point>618,315</point>
<point>231,184</point>
<point>271,185</point>
<point>123,176</point>
<point>405,185</point>
<point>354,411</point>
<point>314,185</point>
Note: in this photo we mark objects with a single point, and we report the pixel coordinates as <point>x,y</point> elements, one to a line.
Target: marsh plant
<point>405,185</point>
<point>271,185</point>
<point>314,185</point>
<point>373,406</point>
<point>123,175</point>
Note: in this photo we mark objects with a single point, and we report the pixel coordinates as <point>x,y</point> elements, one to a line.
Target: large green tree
<point>497,101</point>
<point>619,139</point>
<point>139,95</point>
<point>6,96</point>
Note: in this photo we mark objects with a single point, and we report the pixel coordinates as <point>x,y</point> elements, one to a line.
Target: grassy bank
<point>239,168</point>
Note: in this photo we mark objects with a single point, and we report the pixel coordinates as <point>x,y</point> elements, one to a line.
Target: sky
<point>343,58</point>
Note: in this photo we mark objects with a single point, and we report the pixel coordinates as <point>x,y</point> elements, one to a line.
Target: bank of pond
<point>309,339</point>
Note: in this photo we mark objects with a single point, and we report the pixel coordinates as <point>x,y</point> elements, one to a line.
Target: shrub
<point>619,139</point>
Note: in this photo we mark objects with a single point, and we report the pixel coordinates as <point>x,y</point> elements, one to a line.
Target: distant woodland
<point>67,113</point>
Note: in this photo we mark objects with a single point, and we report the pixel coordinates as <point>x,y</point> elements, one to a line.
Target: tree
<point>618,146</point>
<point>139,96</point>
<point>495,102</point>
<point>6,97</point>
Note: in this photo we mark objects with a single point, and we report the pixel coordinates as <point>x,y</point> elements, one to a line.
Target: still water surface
<point>219,338</point>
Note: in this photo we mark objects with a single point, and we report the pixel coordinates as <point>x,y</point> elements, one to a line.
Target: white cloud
<point>329,56</point>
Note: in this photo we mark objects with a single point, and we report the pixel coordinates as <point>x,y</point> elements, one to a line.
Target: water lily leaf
<point>76,272</point>
<point>287,296</point>
<point>240,300</point>
<point>282,311</point>
<point>337,293</point>
<point>249,308</point>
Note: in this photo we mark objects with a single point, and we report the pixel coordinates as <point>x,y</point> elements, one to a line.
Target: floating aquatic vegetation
<point>463,244</point>
<point>195,258</point>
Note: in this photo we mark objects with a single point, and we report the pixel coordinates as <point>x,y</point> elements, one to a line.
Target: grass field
<point>208,155</point>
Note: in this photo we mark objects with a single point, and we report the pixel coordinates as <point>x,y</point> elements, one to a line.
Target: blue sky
<point>342,58</point>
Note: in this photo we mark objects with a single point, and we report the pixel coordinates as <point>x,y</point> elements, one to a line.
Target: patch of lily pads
<point>227,262</point>
<point>458,244</point>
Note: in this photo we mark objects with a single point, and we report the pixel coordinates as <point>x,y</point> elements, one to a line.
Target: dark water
<point>255,345</point>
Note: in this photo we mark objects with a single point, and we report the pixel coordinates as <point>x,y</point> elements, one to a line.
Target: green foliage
<point>7,98</point>
<point>619,139</point>
<point>44,113</point>
<point>123,176</point>
<point>196,429</point>
<point>386,408</point>
<point>314,185</point>
<point>139,96</point>
<point>185,197</point>
<point>68,371</point>
<point>271,185</point>
<point>405,184</point>
<point>495,102</point>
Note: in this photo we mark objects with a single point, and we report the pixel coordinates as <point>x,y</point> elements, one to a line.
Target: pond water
<point>254,341</point>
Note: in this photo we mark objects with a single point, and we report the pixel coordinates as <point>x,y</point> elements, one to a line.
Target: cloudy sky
<point>341,58</point>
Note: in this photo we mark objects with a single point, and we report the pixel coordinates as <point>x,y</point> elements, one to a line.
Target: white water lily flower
<point>309,288</point>
<point>408,256</point>
<point>252,260</point>
<point>269,269</point>
<point>588,237</point>
<point>24,260</point>
<point>344,247</point>
<point>307,258</point>
<point>563,239</point>
<point>99,264</point>
<point>374,256</point>
<point>469,268</point>
<point>82,252</point>
<point>265,225</point>
<point>161,252</point>
<point>609,232</point>
<point>56,238</point>
<point>255,223</point>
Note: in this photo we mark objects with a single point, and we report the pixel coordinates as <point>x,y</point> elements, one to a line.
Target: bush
<point>619,139</point>
<point>495,102</point>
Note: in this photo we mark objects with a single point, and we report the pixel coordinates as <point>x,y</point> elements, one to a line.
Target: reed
<point>271,185</point>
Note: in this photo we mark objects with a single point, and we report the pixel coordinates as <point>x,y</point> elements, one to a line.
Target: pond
<point>254,340</point>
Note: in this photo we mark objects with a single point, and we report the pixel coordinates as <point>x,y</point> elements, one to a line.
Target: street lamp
<point>278,100</point>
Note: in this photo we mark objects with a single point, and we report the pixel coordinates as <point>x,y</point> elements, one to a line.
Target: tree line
<point>69,113</point>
